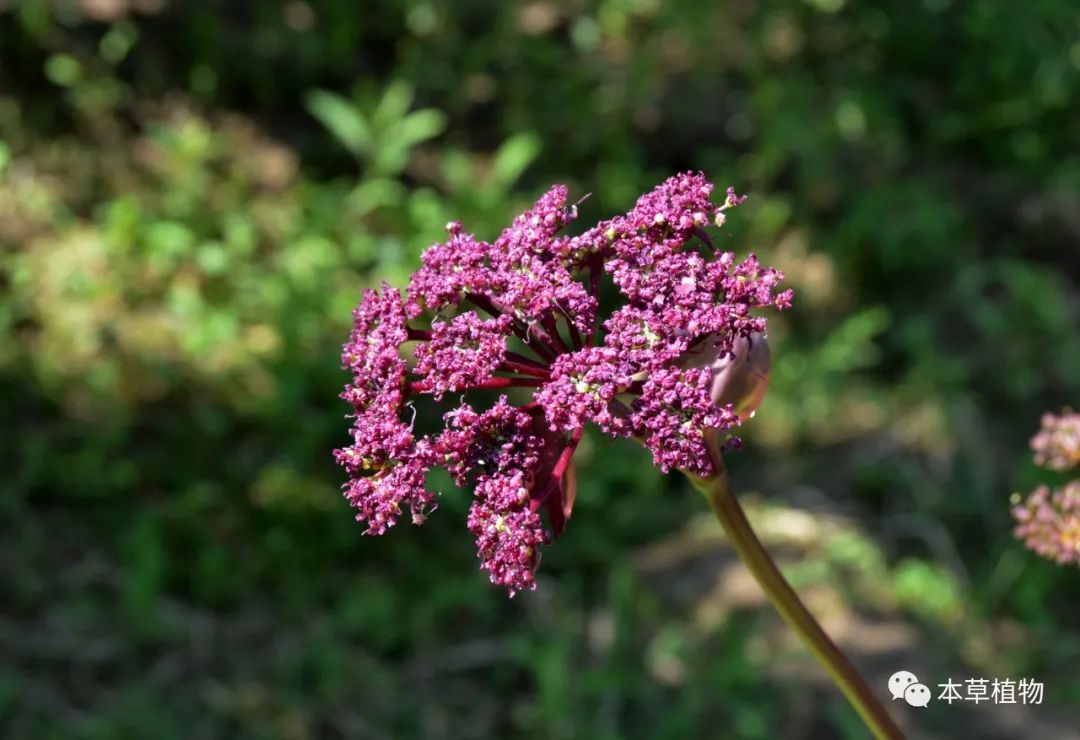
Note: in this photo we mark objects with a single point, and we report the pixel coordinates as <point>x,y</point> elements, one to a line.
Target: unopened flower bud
<point>741,380</point>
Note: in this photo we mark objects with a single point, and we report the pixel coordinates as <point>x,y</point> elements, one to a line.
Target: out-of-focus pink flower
<point>1057,445</point>
<point>1048,522</point>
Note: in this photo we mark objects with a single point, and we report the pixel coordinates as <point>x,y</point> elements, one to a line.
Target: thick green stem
<point>717,490</point>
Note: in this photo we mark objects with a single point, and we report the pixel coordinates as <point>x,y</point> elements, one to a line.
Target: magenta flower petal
<point>449,272</point>
<point>534,230</point>
<point>671,416</point>
<point>462,352</point>
<point>583,387</point>
<point>480,445</point>
<point>645,339</point>
<point>508,538</point>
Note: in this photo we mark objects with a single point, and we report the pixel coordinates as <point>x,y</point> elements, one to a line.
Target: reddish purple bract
<point>522,313</point>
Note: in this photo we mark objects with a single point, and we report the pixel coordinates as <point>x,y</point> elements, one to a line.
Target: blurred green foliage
<point>191,195</point>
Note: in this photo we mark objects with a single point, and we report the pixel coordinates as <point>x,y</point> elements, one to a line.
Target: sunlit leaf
<point>342,119</point>
<point>513,157</point>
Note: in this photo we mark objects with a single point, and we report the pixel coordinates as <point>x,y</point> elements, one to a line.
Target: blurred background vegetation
<point>191,195</point>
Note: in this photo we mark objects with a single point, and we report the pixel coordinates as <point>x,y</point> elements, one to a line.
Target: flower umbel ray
<point>633,374</point>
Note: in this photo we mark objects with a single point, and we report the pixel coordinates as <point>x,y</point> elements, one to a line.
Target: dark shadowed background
<point>191,196</point>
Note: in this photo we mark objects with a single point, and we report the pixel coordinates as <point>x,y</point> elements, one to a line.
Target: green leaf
<point>342,119</point>
<point>851,346</point>
<point>169,238</point>
<point>514,156</point>
<point>63,69</point>
<point>420,126</point>
<point>393,105</point>
<point>119,40</point>
<point>36,17</point>
<point>375,193</point>
<point>392,153</point>
<point>457,169</point>
<point>390,159</point>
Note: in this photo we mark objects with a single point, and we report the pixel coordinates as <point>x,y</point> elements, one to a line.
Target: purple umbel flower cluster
<point>1048,521</point>
<point>522,313</point>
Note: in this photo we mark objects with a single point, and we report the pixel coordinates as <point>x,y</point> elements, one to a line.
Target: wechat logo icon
<point>905,685</point>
